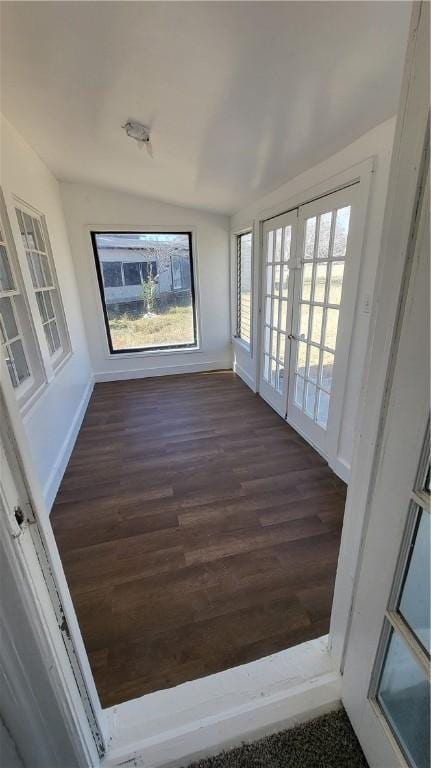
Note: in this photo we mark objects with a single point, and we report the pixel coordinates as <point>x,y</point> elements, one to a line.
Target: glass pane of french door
<point>278,244</point>
<point>319,298</point>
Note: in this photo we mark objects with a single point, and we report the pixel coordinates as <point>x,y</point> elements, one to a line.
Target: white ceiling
<point>240,96</point>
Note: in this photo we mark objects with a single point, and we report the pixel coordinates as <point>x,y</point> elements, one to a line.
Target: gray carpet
<point>327,742</point>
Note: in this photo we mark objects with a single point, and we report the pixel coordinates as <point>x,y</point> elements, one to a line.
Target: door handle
<point>297,338</point>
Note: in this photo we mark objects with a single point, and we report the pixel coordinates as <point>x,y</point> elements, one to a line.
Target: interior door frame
<point>411,136</point>
<point>41,588</point>
<point>404,434</point>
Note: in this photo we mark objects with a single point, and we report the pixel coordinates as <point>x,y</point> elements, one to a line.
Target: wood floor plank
<point>197,531</point>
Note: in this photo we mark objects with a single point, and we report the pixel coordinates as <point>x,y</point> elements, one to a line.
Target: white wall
<point>87,206</point>
<point>53,421</point>
<point>375,143</point>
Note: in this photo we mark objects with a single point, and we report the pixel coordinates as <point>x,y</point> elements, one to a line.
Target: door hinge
<point>19,516</point>
<point>64,627</point>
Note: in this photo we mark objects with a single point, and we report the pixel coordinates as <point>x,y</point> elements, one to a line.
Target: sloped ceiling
<point>240,96</point>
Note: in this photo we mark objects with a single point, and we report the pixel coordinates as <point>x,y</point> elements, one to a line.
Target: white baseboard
<point>166,370</point>
<point>247,379</point>
<point>56,475</point>
<point>174,727</point>
<point>341,469</point>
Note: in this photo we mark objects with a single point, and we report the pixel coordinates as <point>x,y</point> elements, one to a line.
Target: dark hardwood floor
<point>197,530</point>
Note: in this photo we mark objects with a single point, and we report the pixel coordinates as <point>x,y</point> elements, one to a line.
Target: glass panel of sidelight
<point>283,315</point>
<point>299,391</point>
<point>341,233</point>
<point>404,696</point>
<point>270,247</point>
<point>277,249</point>
<point>266,339</point>
<point>310,236</point>
<point>320,282</point>
<point>304,313</point>
<point>313,364</point>
<point>307,275</point>
<point>336,282</point>
<point>277,279</point>
<point>273,372</point>
<point>324,235</point>
<point>301,358</point>
<point>323,409</point>
<point>281,347</point>
<point>6,279</point>
<point>310,399</point>
<point>415,600</point>
<point>268,310</point>
<point>269,279</point>
<point>275,313</point>
<point>287,243</point>
<point>316,324</point>
<point>274,343</point>
<point>285,281</point>
<point>331,328</point>
<point>327,370</point>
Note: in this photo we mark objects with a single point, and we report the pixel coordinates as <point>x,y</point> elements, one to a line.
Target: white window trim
<point>97,302</point>
<point>247,347</point>
<point>53,364</point>
<point>28,392</point>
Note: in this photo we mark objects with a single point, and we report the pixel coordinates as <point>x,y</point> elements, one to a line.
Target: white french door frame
<point>41,582</point>
<point>359,179</point>
<point>326,440</point>
<point>277,397</point>
<point>404,435</point>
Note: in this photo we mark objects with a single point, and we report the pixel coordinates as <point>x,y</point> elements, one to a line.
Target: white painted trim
<point>247,379</point>
<point>406,161</point>
<point>167,370</point>
<point>332,184</point>
<point>202,717</point>
<point>15,486</point>
<point>97,299</point>
<point>56,475</point>
<point>248,348</point>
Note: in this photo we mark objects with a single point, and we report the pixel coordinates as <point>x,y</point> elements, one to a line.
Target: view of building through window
<point>146,284</point>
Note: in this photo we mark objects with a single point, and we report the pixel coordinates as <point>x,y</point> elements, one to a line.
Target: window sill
<point>61,362</point>
<point>29,403</point>
<point>153,353</point>
<point>242,344</point>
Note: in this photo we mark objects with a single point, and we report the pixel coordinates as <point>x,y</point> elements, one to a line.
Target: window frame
<point>28,391</point>
<point>139,351</point>
<point>394,622</point>
<point>21,388</point>
<point>52,361</point>
<point>246,344</point>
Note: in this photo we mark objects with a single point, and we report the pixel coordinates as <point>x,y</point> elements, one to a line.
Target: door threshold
<point>173,727</point>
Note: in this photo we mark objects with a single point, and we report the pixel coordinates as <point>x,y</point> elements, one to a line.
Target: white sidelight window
<point>17,339</point>
<point>36,245</point>
<point>244,244</point>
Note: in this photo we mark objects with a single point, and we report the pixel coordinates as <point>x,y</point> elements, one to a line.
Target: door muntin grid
<point>321,284</point>
<point>276,280</point>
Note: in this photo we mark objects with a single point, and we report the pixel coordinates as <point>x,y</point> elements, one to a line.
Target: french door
<point>387,671</point>
<point>307,315</point>
<point>322,320</point>
<point>279,244</point>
